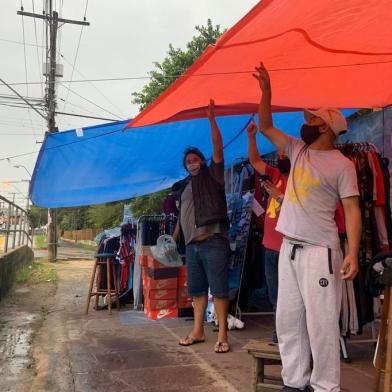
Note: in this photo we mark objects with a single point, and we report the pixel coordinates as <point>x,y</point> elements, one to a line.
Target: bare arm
<point>253,152</point>
<point>215,134</point>
<point>275,135</point>
<point>352,215</point>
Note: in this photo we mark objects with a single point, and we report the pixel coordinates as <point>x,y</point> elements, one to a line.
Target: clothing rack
<point>359,146</point>
<point>245,161</point>
<point>347,148</point>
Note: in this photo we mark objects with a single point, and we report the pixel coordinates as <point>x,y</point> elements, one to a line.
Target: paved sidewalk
<point>125,352</point>
<point>68,250</point>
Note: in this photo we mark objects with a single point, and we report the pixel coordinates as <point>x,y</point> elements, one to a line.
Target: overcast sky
<point>124,39</point>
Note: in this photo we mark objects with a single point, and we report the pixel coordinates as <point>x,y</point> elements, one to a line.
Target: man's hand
<point>263,78</point>
<point>211,110</point>
<point>349,268</point>
<point>252,129</point>
<point>272,190</point>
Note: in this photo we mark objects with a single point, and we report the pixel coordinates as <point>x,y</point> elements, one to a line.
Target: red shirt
<point>272,239</point>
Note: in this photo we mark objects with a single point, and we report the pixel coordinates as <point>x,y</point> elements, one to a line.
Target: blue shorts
<point>207,265</point>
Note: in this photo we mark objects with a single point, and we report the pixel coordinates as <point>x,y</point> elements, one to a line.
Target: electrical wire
<point>76,57</point>
<point>93,103</point>
<point>14,91</point>
<point>81,107</point>
<point>18,42</point>
<point>25,62</point>
<point>60,34</point>
<point>302,68</point>
<point>36,41</point>
<point>93,85</point>
<point>61,145</point>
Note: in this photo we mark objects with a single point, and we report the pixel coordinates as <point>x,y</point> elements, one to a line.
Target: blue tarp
<point>109,164</point>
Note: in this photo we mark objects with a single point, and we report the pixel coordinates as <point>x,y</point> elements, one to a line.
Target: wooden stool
<point>383,355</point>
<point>102,259</point>
<point>264,353</point>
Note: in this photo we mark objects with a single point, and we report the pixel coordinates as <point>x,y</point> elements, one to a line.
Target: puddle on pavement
<point>16,329</point>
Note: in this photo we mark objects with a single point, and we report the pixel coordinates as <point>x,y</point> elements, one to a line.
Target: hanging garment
<point>126,256</point>
<point>378,180</point>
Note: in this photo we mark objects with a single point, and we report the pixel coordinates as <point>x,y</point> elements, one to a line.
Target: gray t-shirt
<point>187,213</point>
<point>317,181</point>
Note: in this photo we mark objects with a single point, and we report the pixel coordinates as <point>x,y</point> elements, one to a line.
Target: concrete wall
<point>10,263</point>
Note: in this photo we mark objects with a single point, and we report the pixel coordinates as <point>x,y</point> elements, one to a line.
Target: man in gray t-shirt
<point>311,265</point>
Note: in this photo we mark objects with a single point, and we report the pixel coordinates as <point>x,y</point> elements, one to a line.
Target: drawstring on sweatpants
<point>294,250</point>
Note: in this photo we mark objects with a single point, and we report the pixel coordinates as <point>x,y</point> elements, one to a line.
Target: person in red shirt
<point>275,184</point>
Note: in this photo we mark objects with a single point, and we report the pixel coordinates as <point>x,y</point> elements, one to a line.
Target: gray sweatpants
<point>307,319</point>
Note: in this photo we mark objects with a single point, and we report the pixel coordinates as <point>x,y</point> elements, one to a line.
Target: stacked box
<point>159,288</point>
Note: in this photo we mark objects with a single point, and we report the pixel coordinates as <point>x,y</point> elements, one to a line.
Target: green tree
<point>148,204</point>
<point>106,215</point>
<point>38,217</point>
<point>73,218</point>
<point>176,63</point>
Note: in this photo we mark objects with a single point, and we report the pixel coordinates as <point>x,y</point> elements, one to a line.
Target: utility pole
<point>53,21</point>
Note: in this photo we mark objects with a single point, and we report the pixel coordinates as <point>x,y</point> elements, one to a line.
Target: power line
<point>81,107</point>
<point>19,43</point>
<point>17,134</point>
<point>93,103</point>
<point>93,85</point>
<point>76,56</point>
<point>25,62</point>
<point>62,113</point>
<point>28,103</point>
<point>36,41</point>
<point>302,68</point>
<point>82,140</point>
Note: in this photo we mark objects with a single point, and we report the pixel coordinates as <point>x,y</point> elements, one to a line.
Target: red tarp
<point>319,53</point>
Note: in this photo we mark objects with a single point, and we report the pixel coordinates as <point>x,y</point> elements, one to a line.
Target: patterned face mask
<point>192,167</point>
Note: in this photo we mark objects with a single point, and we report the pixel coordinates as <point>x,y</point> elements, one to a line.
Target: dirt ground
<point>47,343</point>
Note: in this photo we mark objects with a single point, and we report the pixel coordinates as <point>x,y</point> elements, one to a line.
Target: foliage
<point>149,204</point>
<point>38,217</point>
<point>105,215</point>
<point>176,63</point>
<point>73,218</point>
<point>40,241</point>
<point>37,272</point>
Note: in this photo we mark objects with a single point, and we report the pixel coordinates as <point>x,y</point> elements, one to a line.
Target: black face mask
<point>284,165</point>
<point>310,133</point>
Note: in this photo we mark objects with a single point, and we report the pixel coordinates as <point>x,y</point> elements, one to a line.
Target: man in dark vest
<point>203,224</point>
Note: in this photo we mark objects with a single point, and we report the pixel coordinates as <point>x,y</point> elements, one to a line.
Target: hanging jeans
<point>307,317</point>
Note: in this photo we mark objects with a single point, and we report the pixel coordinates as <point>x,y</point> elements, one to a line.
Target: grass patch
<point>40,241</point>
<point>37,272</point>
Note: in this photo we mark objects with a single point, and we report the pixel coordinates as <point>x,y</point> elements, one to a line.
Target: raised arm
<point>353,220</point>
<point>253,152</point>
<point>215,134</point>
<point>275,135</point>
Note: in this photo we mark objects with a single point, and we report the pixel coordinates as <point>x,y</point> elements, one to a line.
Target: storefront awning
<point>319,54</point>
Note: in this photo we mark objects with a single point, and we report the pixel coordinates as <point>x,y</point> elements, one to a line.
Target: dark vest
<point>209,198</point>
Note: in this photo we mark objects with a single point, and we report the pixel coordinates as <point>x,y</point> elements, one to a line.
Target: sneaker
<point>290,389</point>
